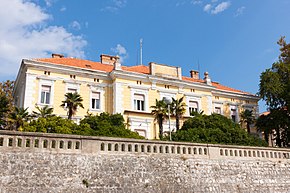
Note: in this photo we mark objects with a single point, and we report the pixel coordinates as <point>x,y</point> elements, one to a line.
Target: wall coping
<point>63,143</point>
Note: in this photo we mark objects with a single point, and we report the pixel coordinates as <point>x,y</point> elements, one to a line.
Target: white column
<point>118,97</point>
<point>209,105</point>
<point>29,92</point>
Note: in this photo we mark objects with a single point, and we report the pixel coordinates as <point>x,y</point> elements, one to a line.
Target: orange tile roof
<point>87,64</point>
<point>222,87</point>
<point>80,63</point>
<point>139,69</point>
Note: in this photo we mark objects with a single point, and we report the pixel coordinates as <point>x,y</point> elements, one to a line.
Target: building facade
<point>108,86</point>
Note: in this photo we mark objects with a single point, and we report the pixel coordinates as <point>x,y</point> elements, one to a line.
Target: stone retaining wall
<point>37,162</point>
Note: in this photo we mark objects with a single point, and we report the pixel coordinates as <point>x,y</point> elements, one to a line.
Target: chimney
<point>57,55</point>
<point>207,78</point>
<point>117,64</point>
<point>194,74</point>
<point>107,59</point>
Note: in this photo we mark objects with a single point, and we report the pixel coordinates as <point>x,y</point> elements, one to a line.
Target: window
<point>139,102</point>
<point>72,76</point>
<point>95,100</point>
<point>45,94</point>
<point>193,107</point>
<point>234,115</point>
<point>218,110</point>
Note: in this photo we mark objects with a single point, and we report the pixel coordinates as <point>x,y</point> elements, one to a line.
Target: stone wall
<point>35,162</point>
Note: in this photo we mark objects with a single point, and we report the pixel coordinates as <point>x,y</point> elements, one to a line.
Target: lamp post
<point>168,101</point>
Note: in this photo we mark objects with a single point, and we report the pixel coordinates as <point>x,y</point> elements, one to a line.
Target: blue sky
<point>233,40</point>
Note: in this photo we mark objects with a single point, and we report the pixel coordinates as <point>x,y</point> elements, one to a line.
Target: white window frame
<point>46,83</point>
<point>140,92</point>
<point>218,105</point>
<point>98,90</point>
<point>93,107</point>
<point>234,107</point>
<point>191,107</point>
<point>138,102</point>
<point>196,99</point>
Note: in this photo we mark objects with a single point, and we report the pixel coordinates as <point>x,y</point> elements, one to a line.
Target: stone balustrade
<point>59,143</point>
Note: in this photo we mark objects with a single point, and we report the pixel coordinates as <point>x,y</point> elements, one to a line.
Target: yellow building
<point>108,86</point>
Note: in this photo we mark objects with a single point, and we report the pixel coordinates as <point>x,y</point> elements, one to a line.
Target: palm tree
<point>43,112</point>
<point>18,118</point>
<point>159,112</point>
<point>72,102</point>
<point>178,109</point>
<point>248,118</point>
<point>265,125</point>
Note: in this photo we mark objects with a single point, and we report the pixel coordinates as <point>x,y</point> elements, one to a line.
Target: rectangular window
<point>139,102</point>
<point>95,100</point>
<point>45,94</point>
<point>234,115</point>
<point>193,107</point>
<point>218,110</point>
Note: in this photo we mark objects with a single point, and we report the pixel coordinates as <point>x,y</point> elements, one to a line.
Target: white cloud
<point>49,2</point>
<point>63,9</point>
<point>115,5</point>
<point>196,2</point>
<point>24,34</point>
<point>207,7</point>
<point>240,11</point>
<point>121,52</point>
<point>221,7</point>
<point>75,25</point>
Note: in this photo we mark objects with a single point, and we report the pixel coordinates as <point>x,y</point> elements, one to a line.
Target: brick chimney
<point>107,59</point>
<point>57,55</point>
<point>194,74</point>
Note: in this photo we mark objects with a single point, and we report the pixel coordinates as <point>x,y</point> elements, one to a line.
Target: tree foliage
<point>178,109</point>
<point>248,118</point>
<point>43,112</point>
<point>18,119</point>
<point>109,125</point>
<point>72,102</point>
<point>92,125</point>
<point>159,111</point>
<point>275,90</point>
<point>6,102</point>
<point>215,129</point>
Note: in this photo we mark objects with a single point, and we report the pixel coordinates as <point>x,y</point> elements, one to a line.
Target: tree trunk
<point>177,122</point>
<point>160,124</point>
<point>278,138</point>
<point>248,128</point>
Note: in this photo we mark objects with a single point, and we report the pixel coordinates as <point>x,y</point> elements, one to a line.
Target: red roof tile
<point>140,69</point>
<point>80,63</point>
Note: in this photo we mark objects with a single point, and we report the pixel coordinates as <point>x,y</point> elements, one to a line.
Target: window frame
<point>47,83</point>
<point>141,90</point>
<point>191,108</point>
<point>193,98</point>
<point>100,90</point>
<point>93,107</point>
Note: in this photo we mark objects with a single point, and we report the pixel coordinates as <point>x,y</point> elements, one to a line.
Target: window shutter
<point>95,95</point>
<point>193,104</point>
<point>45,88</point>
<point>139,97</point>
